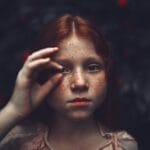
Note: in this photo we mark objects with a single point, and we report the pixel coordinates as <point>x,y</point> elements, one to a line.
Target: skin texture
<point>29,92</point>
<point>58,75</point>
<point>84,76</point>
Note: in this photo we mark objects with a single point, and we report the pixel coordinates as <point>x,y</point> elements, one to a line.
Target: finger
<point>34,66</point>
<point>42,64</point>
<point>48,71</point>
<point>55,65</point>
<point>46,88</point>
<point>42,53</point>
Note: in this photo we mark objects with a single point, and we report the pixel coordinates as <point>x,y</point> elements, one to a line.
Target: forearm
<point>8,119</point>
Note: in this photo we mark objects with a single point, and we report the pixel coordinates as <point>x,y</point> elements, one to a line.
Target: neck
<point>66,127</point>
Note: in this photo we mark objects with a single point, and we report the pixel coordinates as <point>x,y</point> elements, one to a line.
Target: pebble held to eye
<point>63,92</point>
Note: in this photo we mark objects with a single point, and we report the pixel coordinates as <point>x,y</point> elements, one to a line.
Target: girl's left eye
<point>94,67</point>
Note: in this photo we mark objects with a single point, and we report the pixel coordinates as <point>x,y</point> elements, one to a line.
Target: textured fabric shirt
<point>29,137</point>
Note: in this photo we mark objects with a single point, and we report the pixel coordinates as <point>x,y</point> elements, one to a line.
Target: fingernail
<point>60,67</point>
<point>47,59</point>
<point>55,47</point>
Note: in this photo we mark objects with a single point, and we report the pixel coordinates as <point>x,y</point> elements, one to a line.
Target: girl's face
<point>83,87</point>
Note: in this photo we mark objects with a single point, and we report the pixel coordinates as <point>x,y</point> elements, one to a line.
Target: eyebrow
<point>92,59</point>
<point>63,60</point>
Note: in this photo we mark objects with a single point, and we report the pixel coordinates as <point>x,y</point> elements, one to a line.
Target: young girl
<point>73,77</point>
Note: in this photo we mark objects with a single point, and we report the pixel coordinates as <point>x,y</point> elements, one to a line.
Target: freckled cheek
<point>99,85</point>
<point>62,88</point>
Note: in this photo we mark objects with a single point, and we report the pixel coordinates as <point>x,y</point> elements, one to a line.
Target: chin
<point>80,115</point>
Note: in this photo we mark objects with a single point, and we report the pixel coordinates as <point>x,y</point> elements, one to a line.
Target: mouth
<point>80,102</point>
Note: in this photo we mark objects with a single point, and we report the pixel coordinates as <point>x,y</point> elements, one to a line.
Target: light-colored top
<point>35,138</point>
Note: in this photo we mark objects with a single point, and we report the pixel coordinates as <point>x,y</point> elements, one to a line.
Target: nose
<point>79,82</point>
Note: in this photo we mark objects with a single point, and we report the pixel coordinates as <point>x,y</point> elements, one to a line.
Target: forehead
<point>75,46</point>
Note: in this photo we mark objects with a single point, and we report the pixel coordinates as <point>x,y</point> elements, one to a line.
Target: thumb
<point>47,87</point>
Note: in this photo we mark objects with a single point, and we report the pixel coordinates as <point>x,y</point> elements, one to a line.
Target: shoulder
<point>126,141</point>
<point>21,133</point>
<point>121,140</point>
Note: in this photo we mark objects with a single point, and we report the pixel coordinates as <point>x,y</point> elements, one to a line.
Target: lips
<point>80,102</point>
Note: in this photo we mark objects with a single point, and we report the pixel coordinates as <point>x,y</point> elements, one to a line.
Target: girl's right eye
<point>65,70</point>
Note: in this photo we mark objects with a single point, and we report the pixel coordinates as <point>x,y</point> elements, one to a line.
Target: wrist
<point>13,112</point>
<point>9,118</point>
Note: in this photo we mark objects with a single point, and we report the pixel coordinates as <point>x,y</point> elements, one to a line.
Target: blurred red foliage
<point>122,3</point>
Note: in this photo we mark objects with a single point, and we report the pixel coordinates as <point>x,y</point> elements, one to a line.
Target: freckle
<point>63,88</point>
<point>70,43</point>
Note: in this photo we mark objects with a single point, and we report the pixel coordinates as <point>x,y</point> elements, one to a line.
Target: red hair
<point>59,29</point>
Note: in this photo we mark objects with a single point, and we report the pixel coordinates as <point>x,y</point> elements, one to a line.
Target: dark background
<point>126,25</point>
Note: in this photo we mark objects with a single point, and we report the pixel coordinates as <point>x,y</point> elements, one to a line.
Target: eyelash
<point>93,67</point>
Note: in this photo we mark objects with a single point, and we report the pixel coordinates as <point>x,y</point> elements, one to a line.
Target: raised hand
<point>29,92</point>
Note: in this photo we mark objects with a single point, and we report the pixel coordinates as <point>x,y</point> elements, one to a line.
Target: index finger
<point>42,53</point>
